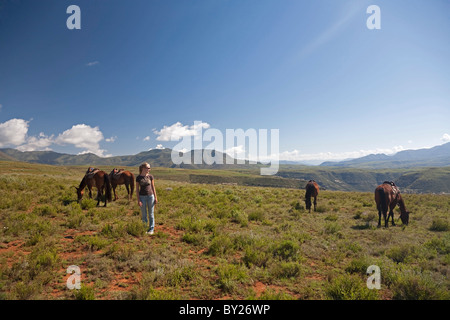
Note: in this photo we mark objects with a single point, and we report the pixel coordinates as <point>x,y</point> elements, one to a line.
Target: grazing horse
<point>95,178</point>
<point>312,190</point>
<point>387,196</point>
<point>122,177</point>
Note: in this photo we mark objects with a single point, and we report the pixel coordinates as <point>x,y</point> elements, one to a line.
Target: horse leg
<point>391,213</point>
<point>98,197</point>
<point>315,203</point>
<point>379,218</point>
<point>106,200</point>
<point>308,203</point>
<point>115,194</point>
<point>386,219</point>
<point>380,211</point>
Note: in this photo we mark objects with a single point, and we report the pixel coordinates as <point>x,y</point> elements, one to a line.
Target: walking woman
<point>146,195</point>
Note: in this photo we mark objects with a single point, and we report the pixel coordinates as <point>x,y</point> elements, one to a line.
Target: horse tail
<point>107,187</point>
<point>309,190</point>
<point>383,204</point>
<point>308,194</point>
<point>132,185</point>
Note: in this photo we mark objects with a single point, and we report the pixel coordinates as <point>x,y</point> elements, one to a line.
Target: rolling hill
<point>412,180</point>
<point>438,156</point>
<point>362,174</point>
<point>156,157</point>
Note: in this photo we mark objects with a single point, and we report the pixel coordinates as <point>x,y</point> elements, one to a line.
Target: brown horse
<point>312,190</point>
<point>95,178</point>
<point>125,177</point>
<point>387,196</point>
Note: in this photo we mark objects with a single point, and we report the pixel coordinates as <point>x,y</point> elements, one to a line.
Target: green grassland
<point>410,180</point>
<point>230,238</point>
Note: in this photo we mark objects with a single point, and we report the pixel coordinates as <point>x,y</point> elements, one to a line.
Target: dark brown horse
<point>312,190</point>
<point>125,177</point>
<point>387,196</point>
<point>100,180</point>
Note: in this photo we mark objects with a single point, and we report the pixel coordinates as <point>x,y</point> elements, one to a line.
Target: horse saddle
<point>90,173</point>
<point>116,173</point>
<point>395,189</point>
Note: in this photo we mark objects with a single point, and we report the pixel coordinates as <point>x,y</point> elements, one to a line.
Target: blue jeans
<point>147,208</point>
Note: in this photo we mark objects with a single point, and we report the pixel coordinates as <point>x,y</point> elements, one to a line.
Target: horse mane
<point>82,183</point>
<point>401,204</point>
<point>309,189</point>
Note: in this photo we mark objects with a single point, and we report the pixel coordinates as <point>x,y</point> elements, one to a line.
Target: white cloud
<point>158,147</point>
<point>235,151</point>
<point>40,143</point>
<point>112,139</point>
<point>445,137</point>
<point>93,63</point>
<point>296,155</point>
<point>83,136</point>
<point>147,138</point>
<point>178,130</point>
<point>13,132</point>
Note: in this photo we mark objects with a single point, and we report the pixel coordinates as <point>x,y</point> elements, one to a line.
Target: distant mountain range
<point>415,171</point>
<point>438,156</point>
<point>156,158</point>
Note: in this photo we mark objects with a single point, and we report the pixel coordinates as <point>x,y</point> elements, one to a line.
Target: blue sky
<point>139,70</point>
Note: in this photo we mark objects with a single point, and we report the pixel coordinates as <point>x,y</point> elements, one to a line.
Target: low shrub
<point>257,215</point>
<point>84,293</point>
<point>45,210</point>
<point>181,276</point>
<point>286,269</point>
<point>256,256</point>
<point>358,265</point>
<point>196,239</point>
<point>136,228</point>
<point>439,225</point>
<point>332,228</point>
<point>400,254</point>
<point>87,203</point>
<point>411,285</point>
<point>321,209</point>
<point>350,287</point>
<point>230,276</point>
<point>220,245</point>
<point>287,250</point>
